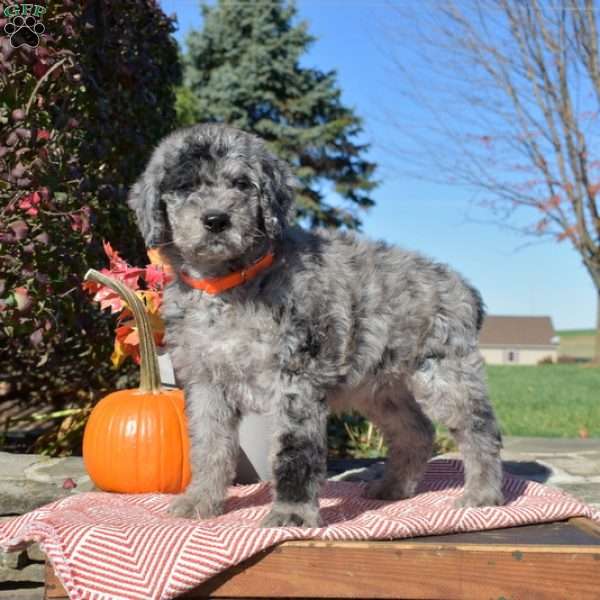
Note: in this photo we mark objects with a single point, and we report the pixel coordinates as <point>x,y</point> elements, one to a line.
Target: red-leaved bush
<point>79,116</point>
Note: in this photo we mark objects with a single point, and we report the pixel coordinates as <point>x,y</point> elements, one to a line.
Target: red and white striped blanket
<point>112,546</point>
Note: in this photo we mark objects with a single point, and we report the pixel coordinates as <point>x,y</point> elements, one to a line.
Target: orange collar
<point>217,285</point>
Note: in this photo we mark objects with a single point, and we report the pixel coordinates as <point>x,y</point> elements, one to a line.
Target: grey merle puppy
<point>335,322</point>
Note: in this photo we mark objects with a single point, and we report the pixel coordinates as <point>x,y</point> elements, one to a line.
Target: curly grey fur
<point>337,322</point>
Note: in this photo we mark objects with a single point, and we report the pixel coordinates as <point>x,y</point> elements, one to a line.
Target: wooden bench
<point>536,562</point>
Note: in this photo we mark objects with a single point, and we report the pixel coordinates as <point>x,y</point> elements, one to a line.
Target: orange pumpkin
<point>136,441</point>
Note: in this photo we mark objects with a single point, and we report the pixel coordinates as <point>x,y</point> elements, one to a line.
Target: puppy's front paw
<point>479,498</point>
<point>191,507</point>
<point>294,515</point>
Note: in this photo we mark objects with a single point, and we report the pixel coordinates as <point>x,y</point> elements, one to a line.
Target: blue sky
<point>543,279</point>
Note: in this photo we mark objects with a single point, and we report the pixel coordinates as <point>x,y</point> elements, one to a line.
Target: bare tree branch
<point>513,98</point>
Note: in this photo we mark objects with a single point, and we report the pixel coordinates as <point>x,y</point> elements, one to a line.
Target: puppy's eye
<point>178,185</point>
<point>241,183</point>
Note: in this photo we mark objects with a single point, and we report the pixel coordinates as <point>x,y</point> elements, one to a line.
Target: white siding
<point>501,355</point>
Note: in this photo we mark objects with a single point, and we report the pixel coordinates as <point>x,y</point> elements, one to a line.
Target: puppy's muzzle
<point>216,221</point>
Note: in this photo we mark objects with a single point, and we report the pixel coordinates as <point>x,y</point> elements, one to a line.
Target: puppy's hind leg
<point>214,448</point>
<point>453,391</point>
<point>409,435</point>
<point>298,457</point>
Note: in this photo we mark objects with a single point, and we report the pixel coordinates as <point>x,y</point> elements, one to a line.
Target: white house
<point>517,340</point>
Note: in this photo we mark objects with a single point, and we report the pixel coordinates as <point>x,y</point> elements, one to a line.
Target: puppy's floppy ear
<point>144,199</point>
<point>277,195</point>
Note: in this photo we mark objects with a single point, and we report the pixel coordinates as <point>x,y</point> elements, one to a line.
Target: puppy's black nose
<point>216,221</point>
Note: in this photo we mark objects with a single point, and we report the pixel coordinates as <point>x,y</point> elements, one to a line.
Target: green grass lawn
<point>576,342</point>
<point>566,333</point>
<point>548,400</point>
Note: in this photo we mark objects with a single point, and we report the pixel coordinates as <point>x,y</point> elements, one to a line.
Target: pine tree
<point>243,69</point>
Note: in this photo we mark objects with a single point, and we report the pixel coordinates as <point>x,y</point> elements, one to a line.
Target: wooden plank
<point>53,588</point>
<point>389,571</point>
<point>570,533</point>
<point>589,527</point>
<point>410,569</point>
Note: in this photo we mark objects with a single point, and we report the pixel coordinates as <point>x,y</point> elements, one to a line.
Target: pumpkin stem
<point>149,373</point>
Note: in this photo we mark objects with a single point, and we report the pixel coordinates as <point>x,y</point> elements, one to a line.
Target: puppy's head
<point>212,193</point>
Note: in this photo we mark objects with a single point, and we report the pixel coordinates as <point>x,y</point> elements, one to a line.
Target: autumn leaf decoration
<point>147,283</point>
